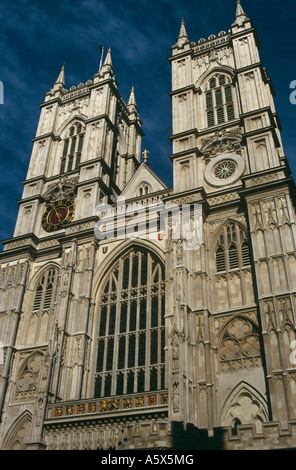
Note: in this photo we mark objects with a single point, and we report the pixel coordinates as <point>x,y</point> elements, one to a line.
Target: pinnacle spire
<point>239,8</point>
<point>132,98</point>
<point>183,39</point>
<point>183,32</point>
<point>108,59</point>
<point>240,14</point>
<point>61,78</point>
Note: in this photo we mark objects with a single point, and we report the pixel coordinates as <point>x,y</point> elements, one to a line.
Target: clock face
<point>57,215</point>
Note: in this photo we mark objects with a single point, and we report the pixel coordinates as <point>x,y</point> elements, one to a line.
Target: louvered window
<point>219,101</point>
<point>211,118</point>
<point>233,256</point>
<point>220,259</point>
<point>43,307</point>
<point>38,297</point>
<point>233,251</point>
<point>220,115</point>
<point>246,254</point>
<point>209,99</point>
<point>72,149</point>
<point>230,113</point>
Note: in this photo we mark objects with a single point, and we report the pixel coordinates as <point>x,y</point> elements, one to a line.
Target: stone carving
<point>240,346</point>
<point>213,201</point>
<point>63,189</point>
<point>27,382</point>
<point>175,350</point>
<point>176,396</point>
<point>222,142</point>
<point>284,212</point>
<point>179,251</point>
<point>244,406</point>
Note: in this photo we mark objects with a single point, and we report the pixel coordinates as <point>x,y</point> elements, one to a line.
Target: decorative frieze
<point>110,405</point>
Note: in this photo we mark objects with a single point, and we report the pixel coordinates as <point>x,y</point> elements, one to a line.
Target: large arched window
<point>232,251</point>
<point>219,100</point>
<point>131,333</point>
<point>72,148</point>
<point>42,313</point>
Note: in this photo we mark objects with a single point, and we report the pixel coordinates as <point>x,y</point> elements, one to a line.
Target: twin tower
<point>146,342</point>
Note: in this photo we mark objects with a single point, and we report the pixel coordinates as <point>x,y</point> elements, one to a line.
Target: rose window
<point>224,169</point>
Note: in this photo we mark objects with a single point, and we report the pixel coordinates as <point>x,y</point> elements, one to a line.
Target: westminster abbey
<point>130,342</point>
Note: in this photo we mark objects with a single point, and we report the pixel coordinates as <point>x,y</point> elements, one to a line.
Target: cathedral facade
<point>115,340</point>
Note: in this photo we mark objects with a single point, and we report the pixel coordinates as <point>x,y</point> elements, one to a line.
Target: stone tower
<point>234,300</point>
<point>127,342</point>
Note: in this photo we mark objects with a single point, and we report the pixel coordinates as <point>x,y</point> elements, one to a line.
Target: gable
<point>144,181</point>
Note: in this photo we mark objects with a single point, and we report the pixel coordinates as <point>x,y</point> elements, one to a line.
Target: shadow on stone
<point>192,438</point>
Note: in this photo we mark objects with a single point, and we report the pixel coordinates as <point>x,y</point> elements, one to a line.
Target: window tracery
<point>240,345</point>
<point>219,100</point>
<point>72,149</point>
<point>232,250</point>
<point>46,291</point>
<point>131,333</point>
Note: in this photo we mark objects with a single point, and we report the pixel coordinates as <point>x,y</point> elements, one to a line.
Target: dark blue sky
<point>37,37</point>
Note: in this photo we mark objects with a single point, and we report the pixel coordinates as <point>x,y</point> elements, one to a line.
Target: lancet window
<point>219,100</point>
<point>232,251</point>
<point>45,295</point>
<point>72,148</point>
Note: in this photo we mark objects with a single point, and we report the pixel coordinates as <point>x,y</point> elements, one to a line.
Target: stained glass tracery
<point>131,336</point>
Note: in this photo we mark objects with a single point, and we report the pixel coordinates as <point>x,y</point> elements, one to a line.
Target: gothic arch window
<point>72,148</point>
<point>232,250</point>
<point>239,346</point>
<point>144,189</point>
<point>42,309</point>
<point>46,291</point>
<point>131,329</point>
<point>219,100</point>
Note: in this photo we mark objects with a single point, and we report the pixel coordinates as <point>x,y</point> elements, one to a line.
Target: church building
<point>116,340</point>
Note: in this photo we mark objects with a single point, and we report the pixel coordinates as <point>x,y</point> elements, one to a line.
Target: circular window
<point>224,169</point>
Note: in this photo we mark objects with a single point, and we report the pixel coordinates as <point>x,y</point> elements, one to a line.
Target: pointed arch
<point>246,405</point>
<point>218,96</point>
<point>231,246</point>
<point>28,376</point>
<point>118,252</point>
<point>62,130</point>
<point>217,69</point>
<point>40,305</point>
<point>129,326</point>
<point>143,188</point>
<point>239,344</point>
<point>33,283</point>
<point>219,228</point>
<point>19,432</point>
